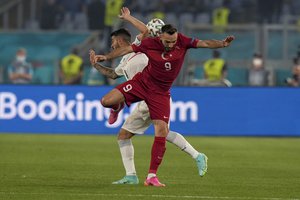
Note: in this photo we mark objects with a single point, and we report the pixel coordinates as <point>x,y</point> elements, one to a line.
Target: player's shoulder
<point>182,36</point>
<point>152,40</point>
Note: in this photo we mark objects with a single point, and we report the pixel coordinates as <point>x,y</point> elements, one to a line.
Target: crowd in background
<point>103,15</point>
<point>92,14</point>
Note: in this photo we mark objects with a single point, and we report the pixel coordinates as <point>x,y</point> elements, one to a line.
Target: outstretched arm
<point>106,71</point>
<point>213,44</point>
<point>114,54</point>
<point>125,15</point>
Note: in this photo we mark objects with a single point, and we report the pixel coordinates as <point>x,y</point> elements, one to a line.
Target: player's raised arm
<point>106,71</point>
<point>125,15</point>
<point>214,44</point>
<point>114,54</point>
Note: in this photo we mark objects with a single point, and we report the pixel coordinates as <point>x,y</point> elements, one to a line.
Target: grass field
<point>83,167</point>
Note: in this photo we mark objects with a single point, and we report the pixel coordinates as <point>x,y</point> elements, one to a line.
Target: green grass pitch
<point>34,166</point>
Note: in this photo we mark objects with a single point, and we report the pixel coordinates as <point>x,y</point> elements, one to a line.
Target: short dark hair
<point>124,33</point>
<point>168,28</point>
<point>216,53</point>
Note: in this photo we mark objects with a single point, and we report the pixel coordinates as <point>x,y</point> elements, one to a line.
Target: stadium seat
<point>171,18</point>
<point>202,18</point>
<point>44,75</point>
<point>198,72</point>
<point>185,18</point>
<point>238,76</point>
<point>281,75</point>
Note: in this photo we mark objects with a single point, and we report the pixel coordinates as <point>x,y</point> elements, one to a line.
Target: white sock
<point>127,153</point>
<point>180,141</point>
<point>150,175</point>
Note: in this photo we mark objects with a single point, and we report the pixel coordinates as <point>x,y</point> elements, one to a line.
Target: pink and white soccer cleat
<point>153,181</point>
<point>114,114</point>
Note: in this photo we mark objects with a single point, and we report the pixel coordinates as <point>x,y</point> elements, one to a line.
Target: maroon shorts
<point>158,104</point>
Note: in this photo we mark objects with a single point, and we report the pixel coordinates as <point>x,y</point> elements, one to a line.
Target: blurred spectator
<point>112,11</point>
<point>81,18</point>
<point>258,75</point>
<point>96,13</point>
<point>220,17</point>
<point>49,15</point>
<point>71,68</point>
<point>294,81</point>
<point>215,70</point>
<point>20,71</point>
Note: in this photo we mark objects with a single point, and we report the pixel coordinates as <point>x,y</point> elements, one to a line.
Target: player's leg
<point>157,152</point>
<point>159,108</point>
<point>127,154</point>
<point>178,140</point>
<point>114,100</point>
<point>137,122</point>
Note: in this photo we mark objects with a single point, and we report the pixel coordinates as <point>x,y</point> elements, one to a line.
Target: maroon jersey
<point>163,66</point>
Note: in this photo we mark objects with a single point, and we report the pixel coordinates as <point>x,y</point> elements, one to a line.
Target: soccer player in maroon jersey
<point>166,55</point>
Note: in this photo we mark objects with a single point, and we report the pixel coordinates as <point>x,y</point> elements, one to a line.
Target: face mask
<point>20,58</point>
<point>257,62</point>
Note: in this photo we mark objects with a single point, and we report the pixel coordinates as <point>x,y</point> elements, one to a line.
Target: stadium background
<point>81,166</point>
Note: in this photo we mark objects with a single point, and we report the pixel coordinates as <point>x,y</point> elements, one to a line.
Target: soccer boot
<point>114,114</point>
<point>153,181</point>
<point>132,180</point>
<point>201,161</point>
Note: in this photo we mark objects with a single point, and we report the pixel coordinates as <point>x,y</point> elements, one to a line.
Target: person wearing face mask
<point>20,71</point>
<point>258,75</point>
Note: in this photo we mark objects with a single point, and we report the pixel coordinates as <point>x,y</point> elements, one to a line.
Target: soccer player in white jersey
<point>139,120</point>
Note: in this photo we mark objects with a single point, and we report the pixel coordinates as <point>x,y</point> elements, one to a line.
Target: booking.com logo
<point>78,109</point>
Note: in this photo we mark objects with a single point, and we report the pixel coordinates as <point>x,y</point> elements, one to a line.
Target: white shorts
<point>139,120</point>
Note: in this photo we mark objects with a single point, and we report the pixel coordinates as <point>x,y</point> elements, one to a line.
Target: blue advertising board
<point>194,111</point>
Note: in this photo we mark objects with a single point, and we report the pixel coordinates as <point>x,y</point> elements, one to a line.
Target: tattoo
<point>106,71</point>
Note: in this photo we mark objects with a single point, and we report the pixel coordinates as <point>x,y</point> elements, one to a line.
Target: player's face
<point>115,42</point>
<point>168,40</point>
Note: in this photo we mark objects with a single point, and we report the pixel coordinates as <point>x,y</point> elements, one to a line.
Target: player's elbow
<point>145,33</point>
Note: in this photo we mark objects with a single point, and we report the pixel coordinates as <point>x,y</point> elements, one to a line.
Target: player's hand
<point>125,13</point>
<point>92,57</point>
<point>228,40</point>
<point>100,58</point>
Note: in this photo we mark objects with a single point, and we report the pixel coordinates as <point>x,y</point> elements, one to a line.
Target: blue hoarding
<point>195,110</point>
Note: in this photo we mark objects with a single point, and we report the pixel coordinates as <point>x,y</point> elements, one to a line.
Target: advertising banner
<point>194,111</point>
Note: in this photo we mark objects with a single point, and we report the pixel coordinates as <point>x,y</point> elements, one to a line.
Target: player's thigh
<point>112,98</point>
<point>132,91</point>
<point>137,122</point>
<point>159,107</point>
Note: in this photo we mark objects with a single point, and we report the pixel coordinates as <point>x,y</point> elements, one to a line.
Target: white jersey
<point>131,64</point>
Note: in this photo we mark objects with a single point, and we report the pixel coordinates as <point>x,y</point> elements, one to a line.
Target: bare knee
<point>161,128</point>
<point>124,134</point>
<point>105,101</point>
<point>112,98</point>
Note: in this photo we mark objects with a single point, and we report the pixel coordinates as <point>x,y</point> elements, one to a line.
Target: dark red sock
<point>157,153</point>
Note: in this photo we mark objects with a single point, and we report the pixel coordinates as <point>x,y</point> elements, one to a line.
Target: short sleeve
<point>189,42</point>
<point>119,70</point>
